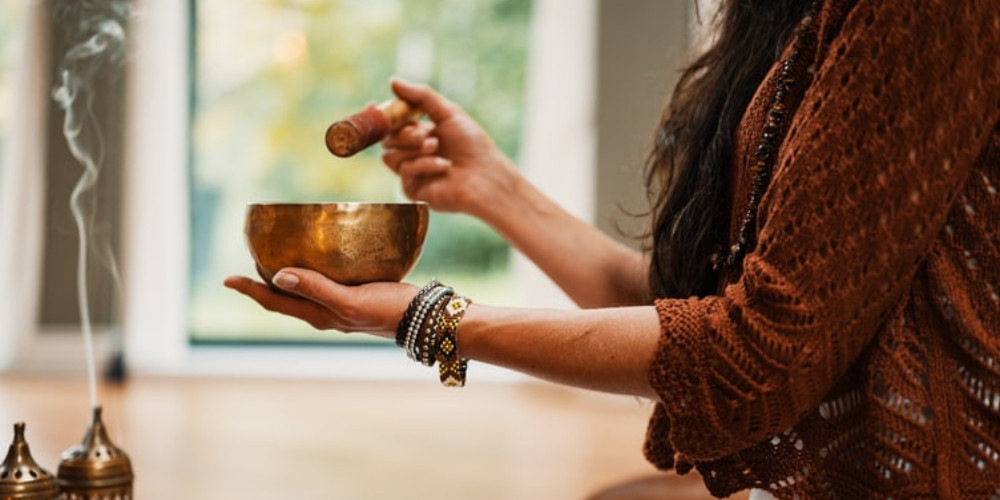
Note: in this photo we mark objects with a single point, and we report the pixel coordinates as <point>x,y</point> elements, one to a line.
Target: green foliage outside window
<point>271,75</point>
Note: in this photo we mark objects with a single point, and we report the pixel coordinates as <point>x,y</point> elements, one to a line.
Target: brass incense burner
<point>95,469</point>
<point>351,243</point>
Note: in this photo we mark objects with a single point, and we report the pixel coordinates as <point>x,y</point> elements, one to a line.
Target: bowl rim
<point>337,204</point>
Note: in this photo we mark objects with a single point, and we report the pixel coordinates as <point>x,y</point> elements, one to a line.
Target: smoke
<point>94,30</point>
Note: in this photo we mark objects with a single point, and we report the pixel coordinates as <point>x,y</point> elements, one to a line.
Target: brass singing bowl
<point>351,243</point>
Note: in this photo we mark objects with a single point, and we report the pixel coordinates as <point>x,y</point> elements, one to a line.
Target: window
<point>161,133</point>
<point>271,76</point>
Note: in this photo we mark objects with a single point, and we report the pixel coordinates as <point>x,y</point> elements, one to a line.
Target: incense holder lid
<point>21,478</point>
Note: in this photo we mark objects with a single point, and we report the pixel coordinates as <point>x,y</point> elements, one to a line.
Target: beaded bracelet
<point>429,304</point>
<point>404,323</point>
<point>428,331</point>
<point>451,367</point>
<point>429,338</point>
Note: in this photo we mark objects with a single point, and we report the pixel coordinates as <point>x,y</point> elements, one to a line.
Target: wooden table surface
<point>195,438</point>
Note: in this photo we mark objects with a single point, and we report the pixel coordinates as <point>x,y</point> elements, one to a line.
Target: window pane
<point>271,77</point>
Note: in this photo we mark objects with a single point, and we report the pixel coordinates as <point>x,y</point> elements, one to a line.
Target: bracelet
<point>451,367</point>
<point>411,345</point>
<point>428,331</point>
<point>429,338</point>
<point>404,323</point>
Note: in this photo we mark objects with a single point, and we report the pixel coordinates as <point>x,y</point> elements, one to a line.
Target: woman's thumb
<point>437,107</point>
<point>307,284</point>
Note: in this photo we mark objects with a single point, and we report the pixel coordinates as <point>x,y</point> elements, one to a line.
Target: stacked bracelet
<point>428,331</point>
<point>404,323</point>
<point>428,303</point>
<point>429,336</point>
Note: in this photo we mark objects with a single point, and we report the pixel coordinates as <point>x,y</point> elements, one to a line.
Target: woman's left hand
<point>374,308</point>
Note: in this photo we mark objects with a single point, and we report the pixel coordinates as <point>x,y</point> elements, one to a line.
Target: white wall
<point>558,144</point>
<point>641,45</point>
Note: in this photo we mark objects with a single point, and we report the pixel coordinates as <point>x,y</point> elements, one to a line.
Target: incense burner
<point>95,469</point>
<point>21,478</point>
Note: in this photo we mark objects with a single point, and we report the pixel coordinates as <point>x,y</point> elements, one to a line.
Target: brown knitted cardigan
<point>856,353</point>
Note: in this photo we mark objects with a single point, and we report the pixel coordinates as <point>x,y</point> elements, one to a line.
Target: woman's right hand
<point>453,165</point>
<point>449,162</point>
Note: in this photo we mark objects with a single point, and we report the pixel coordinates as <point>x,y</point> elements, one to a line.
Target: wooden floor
<point>212,439</point>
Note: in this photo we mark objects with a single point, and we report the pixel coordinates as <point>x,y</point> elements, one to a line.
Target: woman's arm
<point>592,268</point>
<point>600,349</point>
<point>454,166</point>
<point>605,350</point>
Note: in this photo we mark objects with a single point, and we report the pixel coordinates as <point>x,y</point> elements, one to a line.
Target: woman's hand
<point>374,308</point>
<point>454,166</point>
<point>450,162</point>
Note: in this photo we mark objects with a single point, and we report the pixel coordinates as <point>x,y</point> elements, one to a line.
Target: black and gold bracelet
<point>452,367</point>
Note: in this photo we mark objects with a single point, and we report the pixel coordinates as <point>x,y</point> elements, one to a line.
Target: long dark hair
<point>688,170</point>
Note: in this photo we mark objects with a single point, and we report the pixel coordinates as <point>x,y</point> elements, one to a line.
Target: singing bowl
<point>351,243</point>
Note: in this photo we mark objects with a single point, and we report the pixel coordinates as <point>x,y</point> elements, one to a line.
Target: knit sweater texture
<point>855,354</point>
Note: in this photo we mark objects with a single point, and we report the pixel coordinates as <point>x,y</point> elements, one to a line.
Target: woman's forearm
<point>592,268</point>
<point>606,350</point>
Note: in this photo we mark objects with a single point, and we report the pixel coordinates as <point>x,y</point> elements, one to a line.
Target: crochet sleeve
<point>898,110</point>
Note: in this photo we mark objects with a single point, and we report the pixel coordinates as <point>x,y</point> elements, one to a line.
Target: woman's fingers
<point>437,194</point>
<point>430,145</point>
<point>312,285</point>
<point>430,189</point>
<point>309,311</point>
<point>409,136</point>
<point>424,166</point>
<point>420,173</point>
<point>398,159</point>
<point>394,157</point>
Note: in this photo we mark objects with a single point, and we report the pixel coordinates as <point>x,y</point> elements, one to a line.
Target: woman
<point>821,317</point>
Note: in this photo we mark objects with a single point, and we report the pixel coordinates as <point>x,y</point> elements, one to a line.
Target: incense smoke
<point>94,31</point>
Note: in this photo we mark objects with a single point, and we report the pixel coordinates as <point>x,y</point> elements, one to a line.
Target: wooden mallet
<point>356,132</point>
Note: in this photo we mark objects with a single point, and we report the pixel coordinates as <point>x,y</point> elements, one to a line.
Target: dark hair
<point>687,172</point>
